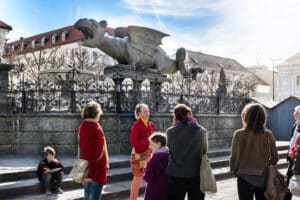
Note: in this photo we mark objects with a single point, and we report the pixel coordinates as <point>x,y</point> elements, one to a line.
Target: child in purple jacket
<point>155,172</point>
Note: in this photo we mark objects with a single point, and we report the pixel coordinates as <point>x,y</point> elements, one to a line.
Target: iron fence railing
<point>36,101</point>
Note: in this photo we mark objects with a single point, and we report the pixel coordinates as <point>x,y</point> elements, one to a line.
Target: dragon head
<point>91,30</point>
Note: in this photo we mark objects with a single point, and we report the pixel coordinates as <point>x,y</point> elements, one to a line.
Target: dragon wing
<point>145,39</point>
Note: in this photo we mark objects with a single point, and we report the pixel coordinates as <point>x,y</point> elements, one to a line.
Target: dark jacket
<point>186,143</point>
<point>44,164</point>
<point>293,129</point>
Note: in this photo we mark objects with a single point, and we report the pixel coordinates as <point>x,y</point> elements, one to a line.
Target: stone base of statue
<point>125,101</point>
<point>121,71</point>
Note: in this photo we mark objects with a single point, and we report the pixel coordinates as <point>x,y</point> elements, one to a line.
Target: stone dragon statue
<point>138,47</point>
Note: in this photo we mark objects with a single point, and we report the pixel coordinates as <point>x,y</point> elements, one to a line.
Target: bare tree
<point>38,60</point>
<point>241,85</point>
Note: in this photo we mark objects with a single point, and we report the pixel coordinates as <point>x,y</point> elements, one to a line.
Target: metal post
<point>73,101</point>
<point>218,105</point>
<point>157,91</point>
<point>118,96</point>
<point>23,101</point>
<point>273,81</point>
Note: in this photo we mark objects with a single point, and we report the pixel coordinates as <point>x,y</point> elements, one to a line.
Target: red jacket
<point>139,135</point>
<point>91,140</point>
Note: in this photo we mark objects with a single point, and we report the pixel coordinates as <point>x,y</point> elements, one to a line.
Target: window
<point>64,35</point>
<point>33,43</point>
<point>44,40</point>
<point>23,45</point>
<point>195,60</point>
<point>54,38</point>
<point>106,34</point>
<point>284,81</point>
<point>298,80</point>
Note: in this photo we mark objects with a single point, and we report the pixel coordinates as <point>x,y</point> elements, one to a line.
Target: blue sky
<point>250,31</point>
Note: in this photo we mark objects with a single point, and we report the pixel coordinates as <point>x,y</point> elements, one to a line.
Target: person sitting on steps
<point>50,172</point>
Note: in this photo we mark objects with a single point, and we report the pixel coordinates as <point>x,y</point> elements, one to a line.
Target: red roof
<point>5,26</point>
<point>72,35</point>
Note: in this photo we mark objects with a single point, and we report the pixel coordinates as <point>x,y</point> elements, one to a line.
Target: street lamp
<point>273,61</point>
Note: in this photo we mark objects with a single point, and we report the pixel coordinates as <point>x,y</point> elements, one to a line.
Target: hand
<point>291,155</point>
<point>47,170</point>
<point>86,180</point>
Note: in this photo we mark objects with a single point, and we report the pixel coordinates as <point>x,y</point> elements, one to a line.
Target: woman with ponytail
<point>139,140</point>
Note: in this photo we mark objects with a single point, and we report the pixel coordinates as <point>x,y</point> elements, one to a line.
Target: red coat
<point>139,135</point>
<point>91,140</point>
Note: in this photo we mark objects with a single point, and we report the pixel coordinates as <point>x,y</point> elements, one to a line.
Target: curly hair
<point>91,110</point>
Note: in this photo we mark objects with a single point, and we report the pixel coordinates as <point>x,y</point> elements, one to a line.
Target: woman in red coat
<point>93,149</point>
<point>139,140</point>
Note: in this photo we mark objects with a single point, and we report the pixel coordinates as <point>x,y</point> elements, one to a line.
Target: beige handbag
<point>80,168</point>
<point>276,185</point>
<point>207,178</point>
<point>276,182</point>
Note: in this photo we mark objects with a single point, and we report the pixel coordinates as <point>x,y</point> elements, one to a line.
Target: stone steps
<point>10,173</point>
<point>31,186</point>
<point>115,191</point>
<point>119,177</point>
<point>120,190</point>
<point>219,161</point>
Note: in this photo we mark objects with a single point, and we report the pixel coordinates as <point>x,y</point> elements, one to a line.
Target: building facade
<point>289,77</point>
<point>238,77</point>
<point>4,29</point>
<point>51,50</point>
<point>270,77</point>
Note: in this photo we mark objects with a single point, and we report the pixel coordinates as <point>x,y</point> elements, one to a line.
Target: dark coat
<point>44,164</point>
<point>186,144</point>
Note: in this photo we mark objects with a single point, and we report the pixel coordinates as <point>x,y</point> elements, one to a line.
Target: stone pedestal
<point>5,103</point>
<point>120,72</point>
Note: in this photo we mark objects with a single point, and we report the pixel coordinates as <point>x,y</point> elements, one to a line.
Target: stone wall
<point>28,134</point>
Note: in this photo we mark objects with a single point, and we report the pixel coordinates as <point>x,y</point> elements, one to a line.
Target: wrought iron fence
<point>123,101</point>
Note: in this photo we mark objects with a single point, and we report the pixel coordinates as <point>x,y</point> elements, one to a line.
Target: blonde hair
<point>91,110</point>
<point>138,109</point>
<point>49,150</point>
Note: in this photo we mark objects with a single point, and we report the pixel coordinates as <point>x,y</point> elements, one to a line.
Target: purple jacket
<point>156,176</point>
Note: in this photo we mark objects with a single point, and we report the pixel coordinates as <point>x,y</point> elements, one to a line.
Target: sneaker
<point>59,191</point>
<point>48,192</point>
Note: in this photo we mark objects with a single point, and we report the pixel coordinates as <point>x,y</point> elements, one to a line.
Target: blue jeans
<point>92,191</point>
<point>51,181</point>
